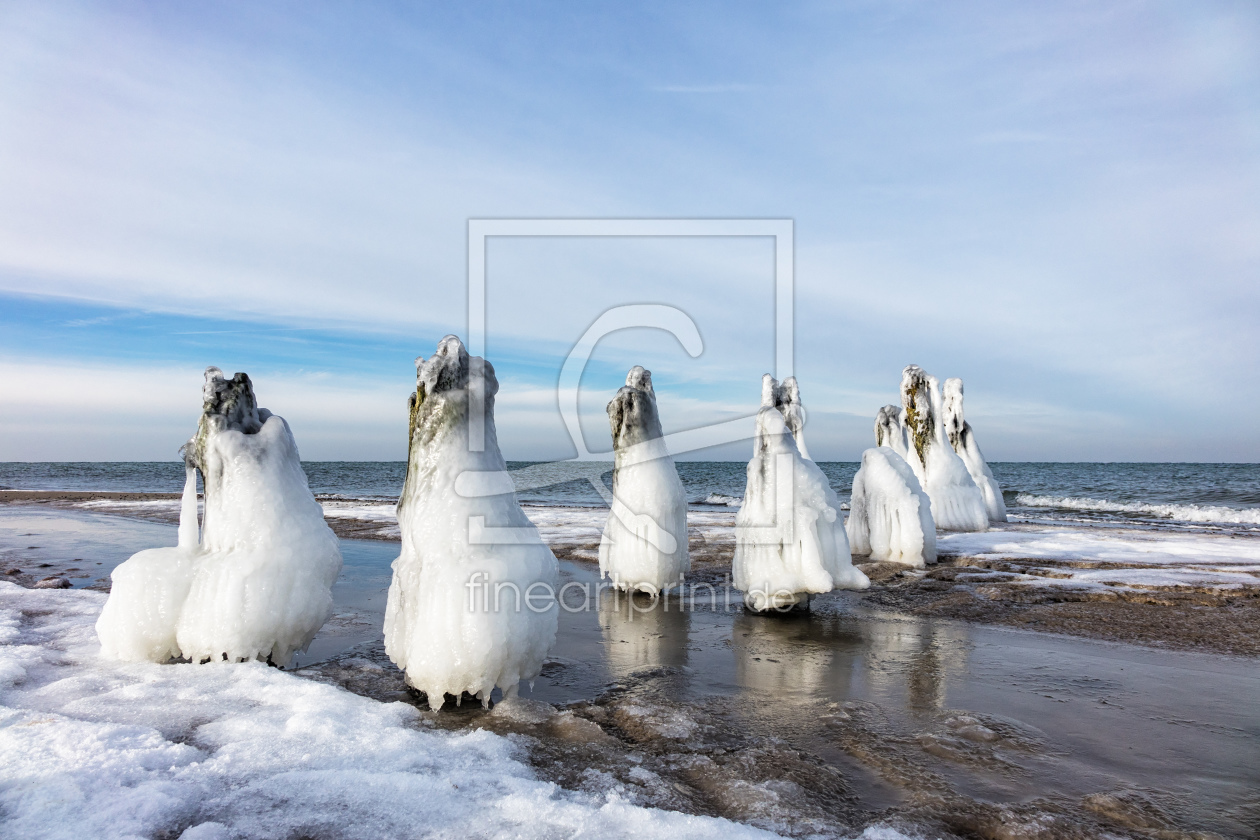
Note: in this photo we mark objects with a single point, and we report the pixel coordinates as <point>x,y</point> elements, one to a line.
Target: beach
<point>1033,682</point>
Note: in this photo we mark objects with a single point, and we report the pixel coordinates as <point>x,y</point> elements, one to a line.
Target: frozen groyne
<point>644,544</point>
<point>470,605</point>
<point>917,433</point>
<point>789,534</point>
<point>963,440</point>
<point>254,580</point>
<point>890,517</point>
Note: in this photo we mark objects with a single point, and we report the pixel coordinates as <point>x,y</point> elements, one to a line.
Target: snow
<point>963,441</point>
<point>957,503</point>
<point>92,747</point>
<point>1104,545</point>
<point>789,533</point>
<point>891,516</point>
<point>255,580</point>
<point>459,617</point>
<point>794,413</point>
<point>644,544</point>
<point>1123,556</point>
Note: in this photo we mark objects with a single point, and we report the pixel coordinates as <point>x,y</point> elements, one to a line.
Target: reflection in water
<point>786,656</point>
<point>642,632</point>
<point>909,660</point>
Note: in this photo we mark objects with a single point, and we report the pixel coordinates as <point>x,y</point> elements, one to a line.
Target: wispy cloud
<point>732,87</point>
<point>1034,198</point>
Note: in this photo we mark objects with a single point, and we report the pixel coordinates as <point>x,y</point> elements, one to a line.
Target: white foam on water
<point>722,499</point>
<point>1182,513</point>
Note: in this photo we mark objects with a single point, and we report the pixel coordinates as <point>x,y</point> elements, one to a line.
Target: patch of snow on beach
<point>1152,559</point>
<point>91,748</point>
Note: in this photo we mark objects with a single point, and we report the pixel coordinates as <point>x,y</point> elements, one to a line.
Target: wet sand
<point>826,722</point>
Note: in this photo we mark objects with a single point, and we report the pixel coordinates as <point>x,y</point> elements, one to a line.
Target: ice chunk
<point>789,534</point>
<point>890,516</point>
<point>957,503</point>
<point>963,440</point>
<point>256,581</point>
<point>469,606</point>
<point>644,545</point>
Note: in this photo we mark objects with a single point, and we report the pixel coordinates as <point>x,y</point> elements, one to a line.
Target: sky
<point>1058,203</point>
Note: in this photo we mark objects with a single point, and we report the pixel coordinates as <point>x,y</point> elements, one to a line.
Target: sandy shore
<point>1207,597</point>
<point>909,737</point>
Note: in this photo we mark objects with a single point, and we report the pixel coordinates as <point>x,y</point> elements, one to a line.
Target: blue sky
<point>1059,203</point>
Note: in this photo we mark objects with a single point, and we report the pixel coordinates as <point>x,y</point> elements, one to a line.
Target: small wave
<point>722,499</point>
<point>1183,513</point>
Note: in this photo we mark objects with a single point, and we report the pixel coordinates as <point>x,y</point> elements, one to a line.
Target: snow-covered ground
<point>1101,556</point>
<point>92,748</point>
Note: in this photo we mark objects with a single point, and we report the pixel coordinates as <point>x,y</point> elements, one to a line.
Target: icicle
<point>189,530</point>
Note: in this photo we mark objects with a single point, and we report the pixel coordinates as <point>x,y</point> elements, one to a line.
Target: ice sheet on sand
<point>644,544</point>
<point>1104,545</point>
<point>97,748</point>
<point>1131,558</point>
<point>963,440</point>
<point>891,516</point>
<point>255,580</point>
<point>789,533</point>
<point>458,618</point>
<point>919,437</point>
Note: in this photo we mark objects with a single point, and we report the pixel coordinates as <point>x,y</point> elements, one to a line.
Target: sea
<point>1182,496</point>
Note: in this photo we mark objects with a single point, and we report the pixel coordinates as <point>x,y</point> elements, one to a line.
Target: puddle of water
<point>91,543</point>
<point>1074,717</point>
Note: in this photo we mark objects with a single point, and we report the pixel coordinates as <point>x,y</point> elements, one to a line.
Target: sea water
<point>1194,496</point>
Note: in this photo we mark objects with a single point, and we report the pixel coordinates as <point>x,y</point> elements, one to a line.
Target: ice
<point>467,608</point>
<point>91,747</point>
<point>890,516</point>
<point>794,413</point>
<point>255,580</point>
<point>789,534</point>
<point>963,440</point>
<point>919,437</point>
<point>644,545</point>
<point>1106,546</point>
<point>1125,557</point>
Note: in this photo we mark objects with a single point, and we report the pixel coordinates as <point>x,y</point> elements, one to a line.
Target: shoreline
<point>891,707</point>
<point>1179,605</point>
